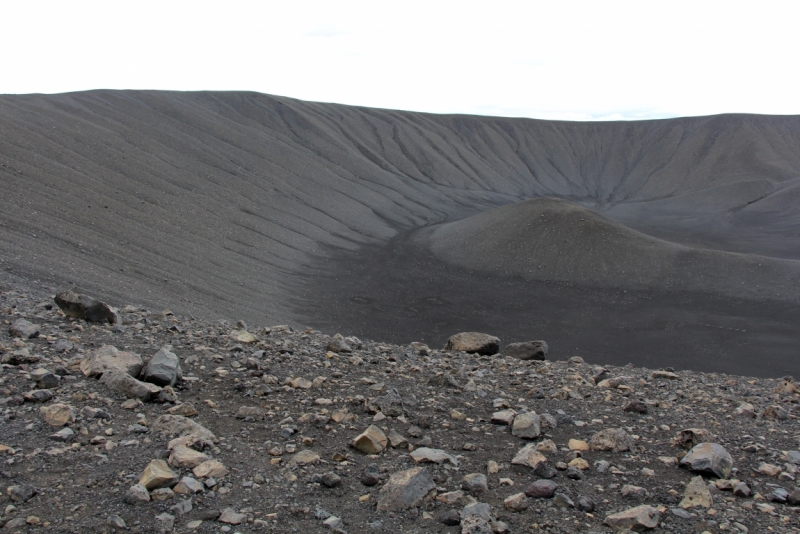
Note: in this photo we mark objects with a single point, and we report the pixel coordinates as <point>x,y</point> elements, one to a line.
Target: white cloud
<point>566,60</point>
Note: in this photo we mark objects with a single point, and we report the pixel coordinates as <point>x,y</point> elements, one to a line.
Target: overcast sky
<point>550,60</point>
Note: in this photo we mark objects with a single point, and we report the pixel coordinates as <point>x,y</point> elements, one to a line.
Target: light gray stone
<point>405,489</point>
<point>163,369</point>
<point>23,329</point>
<point>528,350</point>
<point>708,458</point>
<point>108,357</point>
<point>121,382</point>
<point>526,425</point>
<point>474,343</point>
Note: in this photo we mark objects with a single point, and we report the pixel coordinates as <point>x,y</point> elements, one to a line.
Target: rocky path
<point>238,428</point>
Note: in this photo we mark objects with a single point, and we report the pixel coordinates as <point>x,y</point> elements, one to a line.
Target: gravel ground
<point>284,408</point>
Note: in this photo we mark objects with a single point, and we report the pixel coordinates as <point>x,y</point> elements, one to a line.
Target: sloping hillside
<point>212,203</point>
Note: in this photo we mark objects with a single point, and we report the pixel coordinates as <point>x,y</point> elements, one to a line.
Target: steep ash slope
<point>215,203</point>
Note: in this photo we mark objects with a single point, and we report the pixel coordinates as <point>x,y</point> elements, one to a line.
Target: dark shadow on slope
<point>401,293</point>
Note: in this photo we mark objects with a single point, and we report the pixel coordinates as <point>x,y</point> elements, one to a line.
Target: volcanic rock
<point>528,350</point>
<point>85,307</point>
<point>541,489</point>
<point>474,343</point>
<point>23,329</point>
<point>526,425</point>
<point>121,382</point>
<point>641,518</point>
<point>709,458</point>
<point>163,369</point>
<point>405,489</point>
<point>108,357</point>
<point>611,439</point>
<point>157,474</point>
<point>371,441</point>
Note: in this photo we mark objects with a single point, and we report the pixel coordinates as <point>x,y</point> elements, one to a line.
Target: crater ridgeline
<point>252,206</point>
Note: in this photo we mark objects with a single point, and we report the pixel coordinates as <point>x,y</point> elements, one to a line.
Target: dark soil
<point>401,293</point>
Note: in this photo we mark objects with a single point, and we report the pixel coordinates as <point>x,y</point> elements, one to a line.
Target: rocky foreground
<point>149,422</point>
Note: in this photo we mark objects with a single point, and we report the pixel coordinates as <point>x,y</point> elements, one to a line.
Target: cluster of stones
<point>269,429</point>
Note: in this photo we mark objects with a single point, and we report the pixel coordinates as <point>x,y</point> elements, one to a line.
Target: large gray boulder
<point>405,490</point>
<point>86,307</point>
<point>177,425</point>
<point>612,439</point>
<point>23,329</point>
<point>163,369</point>
<point>474,343</point>
<point>109,357</point>
<point>527,350</point>
<point>636,519</point>
<point>121,382</point>
<point>709,458</point>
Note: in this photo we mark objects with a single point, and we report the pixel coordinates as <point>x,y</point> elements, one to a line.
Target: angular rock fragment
<point>528,350</point>
<point>405,489</point>
<point>709,458</point>
<point>437,456</point>
<point>541,489</point>
<point>188,486</point>
<point>185,409</point>
<point>516,503</point>
<point>638,519</point>
<point>21,492</point>
<point>664,374</point>
<point>636,406</point>
<point>611,439</point>
<point>210,468</point>
<point>745,409</point>
<point>116,521</point>
<point>58,414</point>
<point>177,425</point>
<point>45,379</point>
<point>156,475</point>
<point>231,517</point>
<point>526,425</point>
<point>85,307</point>
<point>371,475</point>
<point>529,457</point>
<point>163,369</point>
<point>696,494</point>
<point>689,437</point>
<point>243,336</point>
<point>249,411</point>
<point>186,458</point>
<point>774,412</point>
<point>629,491</point>
<point>108,357</point>
<point>476,518</point>
<point>19,357</point>
<point>23,329</point>
<point>64,435</point>
<point>475,483</point>
<point>305,457</point>
<point>474,343</point>
<point>37,395</point>
<point>740,489</point>
<point>121,382</point>
<point>396,440</point>
<point>137,494</point>
<point>577,445</point>
<point>504,417</point>
<point>371,441</point>
<point>338,344</point>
